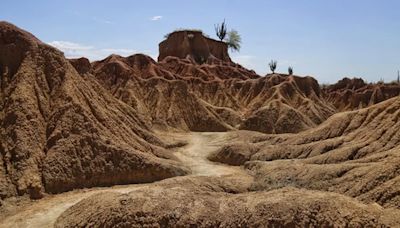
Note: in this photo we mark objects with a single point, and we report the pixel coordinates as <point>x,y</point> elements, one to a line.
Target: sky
<point>324,39</point>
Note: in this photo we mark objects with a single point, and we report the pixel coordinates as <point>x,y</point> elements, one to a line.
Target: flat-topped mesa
<point>194,46</point>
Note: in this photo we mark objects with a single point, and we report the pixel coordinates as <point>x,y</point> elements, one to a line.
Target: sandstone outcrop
<point>193,45</point>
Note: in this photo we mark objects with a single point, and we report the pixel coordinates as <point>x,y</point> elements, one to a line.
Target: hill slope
<point>60,131</point>
<point>222,96</point>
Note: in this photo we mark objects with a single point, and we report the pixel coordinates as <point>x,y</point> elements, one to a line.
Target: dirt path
<point>195,154</point>
<point>44,212</point>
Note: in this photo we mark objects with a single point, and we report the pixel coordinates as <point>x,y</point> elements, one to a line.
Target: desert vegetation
<point>290,70</point>
<point>221,30</point>
<point>272,65</point>
<point>233,40</point>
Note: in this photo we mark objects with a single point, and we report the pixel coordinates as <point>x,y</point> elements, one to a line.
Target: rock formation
<point>60,131</point>
<point>222,96</point>
<point>352,153</point>
<point>349,94</point>
<point>208,203</point>
<point>193,45</point>
<point>302,155</point>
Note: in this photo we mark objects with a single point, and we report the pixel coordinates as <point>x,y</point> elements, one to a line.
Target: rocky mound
<point>222,96</point>
<point>350,94</point>
<point>352,153</point>
<point>61,131</point>
<point>208,203</point>
<point>82,65</point>
<point>194,46</point>
<point>62,127</point>
<point>160,95</point>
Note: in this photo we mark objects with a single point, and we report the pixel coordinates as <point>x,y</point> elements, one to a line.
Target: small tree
<point>233,40</point>
<point>221,30</point>
<point>398,77</point>
<point>272,65</point>
<point>290,70</point>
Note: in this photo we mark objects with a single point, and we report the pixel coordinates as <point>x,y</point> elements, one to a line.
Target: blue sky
<point>324,39</point>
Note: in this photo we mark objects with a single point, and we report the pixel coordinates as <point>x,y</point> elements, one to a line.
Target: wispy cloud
<point>156,18</point>
<point>75,50</point>
<point>69,46</point>
<point>100,20</point>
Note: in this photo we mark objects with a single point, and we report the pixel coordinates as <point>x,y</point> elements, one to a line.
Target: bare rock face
<point>60,131</point>
<point>193,45</point>
<point>82,65</point>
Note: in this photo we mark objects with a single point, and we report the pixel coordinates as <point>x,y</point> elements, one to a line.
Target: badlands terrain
<point>190,140</point>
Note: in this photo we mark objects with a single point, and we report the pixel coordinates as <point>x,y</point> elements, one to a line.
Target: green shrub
<point>233,40</point>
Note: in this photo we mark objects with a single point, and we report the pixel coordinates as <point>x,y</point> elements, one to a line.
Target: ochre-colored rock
<point>193,45</point>
<point>222,95</point>
<point>350,94</point>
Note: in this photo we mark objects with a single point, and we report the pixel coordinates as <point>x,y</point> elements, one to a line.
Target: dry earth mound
<point>158,94</point>
<point>353,153</point>
<point>201,202</point>
<point>61,131</point>
<point>221,96</point>
<point>350,94</point>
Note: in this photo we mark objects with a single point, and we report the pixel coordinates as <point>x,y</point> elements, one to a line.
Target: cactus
<point>290,70</point>
<point>221,30</point>
<point>272,65</point>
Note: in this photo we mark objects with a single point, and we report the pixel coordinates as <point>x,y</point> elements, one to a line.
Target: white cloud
<point>69,46</point>
<point>75,50</point>
<point>156,18</point>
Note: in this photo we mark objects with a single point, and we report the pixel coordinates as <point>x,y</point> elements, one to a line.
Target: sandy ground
<point>194,155</point>
<point>44,212</point>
